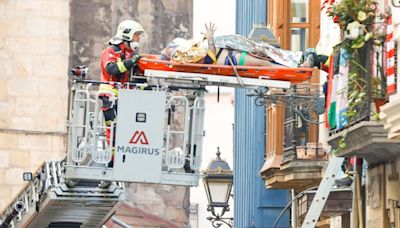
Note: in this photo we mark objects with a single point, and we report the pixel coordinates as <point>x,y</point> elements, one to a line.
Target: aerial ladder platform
<point>158,138</point>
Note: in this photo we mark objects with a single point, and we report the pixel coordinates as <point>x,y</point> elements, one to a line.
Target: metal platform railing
<point>47,176</point>
<point>48,191</point>
<point>92,142</point>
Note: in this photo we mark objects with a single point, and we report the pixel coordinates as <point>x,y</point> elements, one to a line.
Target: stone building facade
<point>40,40</point>
<point>94,22</point>
<point>34,52</point>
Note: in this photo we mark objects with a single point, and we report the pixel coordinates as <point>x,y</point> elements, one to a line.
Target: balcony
<point>297,174</point>
<point>364,134</point>
<point>390,116</point>
<point>339,202</point>
<point>294,158</point>
<point>369,140</point>
<point>297,167</point>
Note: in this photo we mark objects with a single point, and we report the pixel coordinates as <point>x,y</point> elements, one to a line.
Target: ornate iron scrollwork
<point>303,99</point>
<point>217,220</point>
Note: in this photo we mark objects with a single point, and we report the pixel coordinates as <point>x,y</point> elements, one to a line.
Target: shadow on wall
<point>93,23</point>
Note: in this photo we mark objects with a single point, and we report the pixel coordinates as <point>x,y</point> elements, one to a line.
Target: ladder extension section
<point>86,184</point>
<point>48,175</point>
<point>47,198</point>
<point>323,192</point>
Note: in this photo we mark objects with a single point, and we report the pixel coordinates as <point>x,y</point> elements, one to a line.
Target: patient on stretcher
<point>236,50</point>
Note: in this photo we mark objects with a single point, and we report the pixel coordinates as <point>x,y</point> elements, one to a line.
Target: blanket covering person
<point>237,50</point>
<point>190,51</point>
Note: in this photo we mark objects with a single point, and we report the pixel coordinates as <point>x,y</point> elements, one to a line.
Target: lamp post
<point>218,181</point>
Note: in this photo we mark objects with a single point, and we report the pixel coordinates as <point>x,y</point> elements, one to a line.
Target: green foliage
<point>359,14</point>
<point>342,144</point>
<point>348,11</point>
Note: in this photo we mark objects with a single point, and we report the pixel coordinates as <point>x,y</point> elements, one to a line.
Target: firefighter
<point>122,53</point>
<point>117,62</point>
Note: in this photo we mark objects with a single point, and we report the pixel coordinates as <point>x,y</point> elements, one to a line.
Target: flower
<point>347,11</point>
<point>336,19</point>
<point>361,16</point>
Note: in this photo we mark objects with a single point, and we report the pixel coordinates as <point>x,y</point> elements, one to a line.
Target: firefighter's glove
<point>135,58</point>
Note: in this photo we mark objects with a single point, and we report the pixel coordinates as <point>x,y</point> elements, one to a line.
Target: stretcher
<point>294,75</point>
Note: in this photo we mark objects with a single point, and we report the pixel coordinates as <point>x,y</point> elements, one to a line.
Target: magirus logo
<point>139,137</point>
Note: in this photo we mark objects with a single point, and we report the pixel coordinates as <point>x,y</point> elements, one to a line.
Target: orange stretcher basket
<point>294,75</point>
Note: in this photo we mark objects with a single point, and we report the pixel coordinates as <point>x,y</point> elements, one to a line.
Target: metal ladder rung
<point>323,192</point>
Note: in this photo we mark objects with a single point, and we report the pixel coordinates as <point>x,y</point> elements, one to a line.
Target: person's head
<point>128,31</point>
<point>183,51</point>
<point>166,53</point>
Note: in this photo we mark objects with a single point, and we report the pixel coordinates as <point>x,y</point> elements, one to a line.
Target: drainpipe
<point>294,209</point>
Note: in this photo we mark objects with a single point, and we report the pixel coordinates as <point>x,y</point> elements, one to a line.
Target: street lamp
<point>218,181</point>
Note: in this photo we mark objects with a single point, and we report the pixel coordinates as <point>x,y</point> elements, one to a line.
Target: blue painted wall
<point>254,205</point>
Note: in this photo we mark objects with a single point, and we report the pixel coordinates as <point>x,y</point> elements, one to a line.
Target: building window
<point>296,23</point>
<point>299,11</point>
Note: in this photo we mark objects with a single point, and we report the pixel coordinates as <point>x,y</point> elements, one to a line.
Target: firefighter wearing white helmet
<point>126,32</point>
<point>117,62</point>
<point>122,53</point>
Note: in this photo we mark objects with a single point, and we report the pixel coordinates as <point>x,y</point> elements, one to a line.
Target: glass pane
<point>218,192</point>
<point>299,39</point>
<point>299,11</point>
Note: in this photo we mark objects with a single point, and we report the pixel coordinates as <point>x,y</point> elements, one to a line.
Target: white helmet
<point>125,31</point>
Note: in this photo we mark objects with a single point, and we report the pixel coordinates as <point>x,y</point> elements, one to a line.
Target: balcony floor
<point>369,140</point>
<point>298,175</point>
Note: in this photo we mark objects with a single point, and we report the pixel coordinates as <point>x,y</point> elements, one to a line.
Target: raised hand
<point>210,29</point>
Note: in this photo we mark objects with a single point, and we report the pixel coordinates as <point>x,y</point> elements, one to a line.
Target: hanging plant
<point>347,11</point>
<point>355,19</point>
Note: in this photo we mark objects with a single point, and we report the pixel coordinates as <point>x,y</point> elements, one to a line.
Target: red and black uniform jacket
<point>116,63</point>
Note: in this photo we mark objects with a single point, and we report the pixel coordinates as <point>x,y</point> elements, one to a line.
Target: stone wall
<point>40,40</point>
<point>94,22</point>
<point>34,52</point>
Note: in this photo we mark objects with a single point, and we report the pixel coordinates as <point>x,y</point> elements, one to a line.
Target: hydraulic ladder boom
<point>157,143</point>
<point>48,198</point>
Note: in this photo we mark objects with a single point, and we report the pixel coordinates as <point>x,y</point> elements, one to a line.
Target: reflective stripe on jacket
<point>113,58</point>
